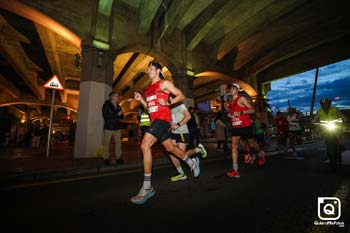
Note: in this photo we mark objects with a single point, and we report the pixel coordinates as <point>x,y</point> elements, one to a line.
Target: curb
<point>37,176</point>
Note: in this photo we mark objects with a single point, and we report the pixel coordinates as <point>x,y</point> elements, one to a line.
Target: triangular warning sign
<point>54,83</point>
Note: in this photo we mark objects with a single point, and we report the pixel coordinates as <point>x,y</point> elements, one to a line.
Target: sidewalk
<point>18,161</point>
<point>28,164</point>
<point>33,168</point>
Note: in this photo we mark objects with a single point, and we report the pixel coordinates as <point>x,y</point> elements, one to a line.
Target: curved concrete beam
<point>8,87</point>
<point>27,12</point>
<point>159,56</point>
<point>227,79</point>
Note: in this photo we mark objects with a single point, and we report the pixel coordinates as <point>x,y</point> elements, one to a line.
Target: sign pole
<point>50,125</point>
<point>54,84</point>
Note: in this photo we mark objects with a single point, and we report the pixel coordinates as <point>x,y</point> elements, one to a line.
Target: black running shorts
<point>160,130</point>
<point>245,133</point>
<point>181,137</point>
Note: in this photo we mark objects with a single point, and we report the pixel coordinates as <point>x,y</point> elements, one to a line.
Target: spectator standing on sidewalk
<point>112,113</point>
<point>220,132</point>
<point>36,135</point>
<point>44,134</point>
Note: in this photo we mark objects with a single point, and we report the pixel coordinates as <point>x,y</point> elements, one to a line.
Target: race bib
<point>153,109</point>
<point>151,104</point>
<point>236,121</point>
<point>150,98</point>
<point>294,125</point>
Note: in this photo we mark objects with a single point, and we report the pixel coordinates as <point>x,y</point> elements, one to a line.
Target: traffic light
<point>67,117</point>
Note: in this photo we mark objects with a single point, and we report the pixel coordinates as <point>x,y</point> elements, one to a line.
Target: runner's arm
<point>170,87</point>
<point>187,117</point>
<point>138,96</point>
<point>250,109</point>
<point>229,114</point>
<point>184,120</point>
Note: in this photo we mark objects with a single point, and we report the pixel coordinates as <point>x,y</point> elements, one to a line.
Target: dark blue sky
<point>333,82</point>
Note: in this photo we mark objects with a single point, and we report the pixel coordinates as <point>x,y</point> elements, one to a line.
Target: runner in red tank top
<point>243,120</point>
<point>240,109</point>
<point>157,103</point>
<point>155,109</point>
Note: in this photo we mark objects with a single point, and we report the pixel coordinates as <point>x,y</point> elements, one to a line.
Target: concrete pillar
<point>95,85</point>
<point>185,83</point>
<point>260,109</point>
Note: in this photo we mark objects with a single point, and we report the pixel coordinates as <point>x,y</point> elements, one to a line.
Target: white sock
<point>188,161</point>
<point>235,166</point>
<point>147,181</point>
<point>179,170</point>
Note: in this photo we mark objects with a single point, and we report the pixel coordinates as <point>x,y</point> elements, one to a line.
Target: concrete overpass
<point>95,46</point>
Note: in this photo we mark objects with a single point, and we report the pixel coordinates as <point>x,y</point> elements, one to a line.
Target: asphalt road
<point>278,197</point>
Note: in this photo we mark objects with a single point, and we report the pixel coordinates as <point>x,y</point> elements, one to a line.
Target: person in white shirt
<point>294,128</point>
<point>181,138</point>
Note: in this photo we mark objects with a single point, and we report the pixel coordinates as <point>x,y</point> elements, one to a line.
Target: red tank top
<point>155,110</point>
<point>241,121</point>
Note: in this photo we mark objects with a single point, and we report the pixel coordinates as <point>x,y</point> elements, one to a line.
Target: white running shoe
<point>143,196</point>
<point>196,169</point>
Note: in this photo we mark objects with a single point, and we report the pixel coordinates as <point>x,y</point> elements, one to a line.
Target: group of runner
<point>288,128</point>
<point>164,103</point>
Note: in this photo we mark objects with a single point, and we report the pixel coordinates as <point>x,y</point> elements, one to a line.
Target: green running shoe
<point>181,176</point>
<point>202,151</point>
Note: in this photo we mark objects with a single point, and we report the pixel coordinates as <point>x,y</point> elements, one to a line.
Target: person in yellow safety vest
<point>327,112</point>
<point>144,120</point>
<point>333,139</point>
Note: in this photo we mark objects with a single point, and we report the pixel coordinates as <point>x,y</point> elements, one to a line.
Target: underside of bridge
<point>200,43</point>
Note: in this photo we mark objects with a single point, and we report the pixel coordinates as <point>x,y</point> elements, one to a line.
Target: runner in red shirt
<point>281,124</point>
<point>157,95</point>
<point>241,125</point>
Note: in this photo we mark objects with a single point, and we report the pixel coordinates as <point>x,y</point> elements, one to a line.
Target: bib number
<point>236,121</point>
<point>153,109</point>
<point>294,126</point>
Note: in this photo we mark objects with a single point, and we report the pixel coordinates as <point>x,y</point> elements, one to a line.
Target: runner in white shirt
<point>180,137</point>
<point>294,128</point>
